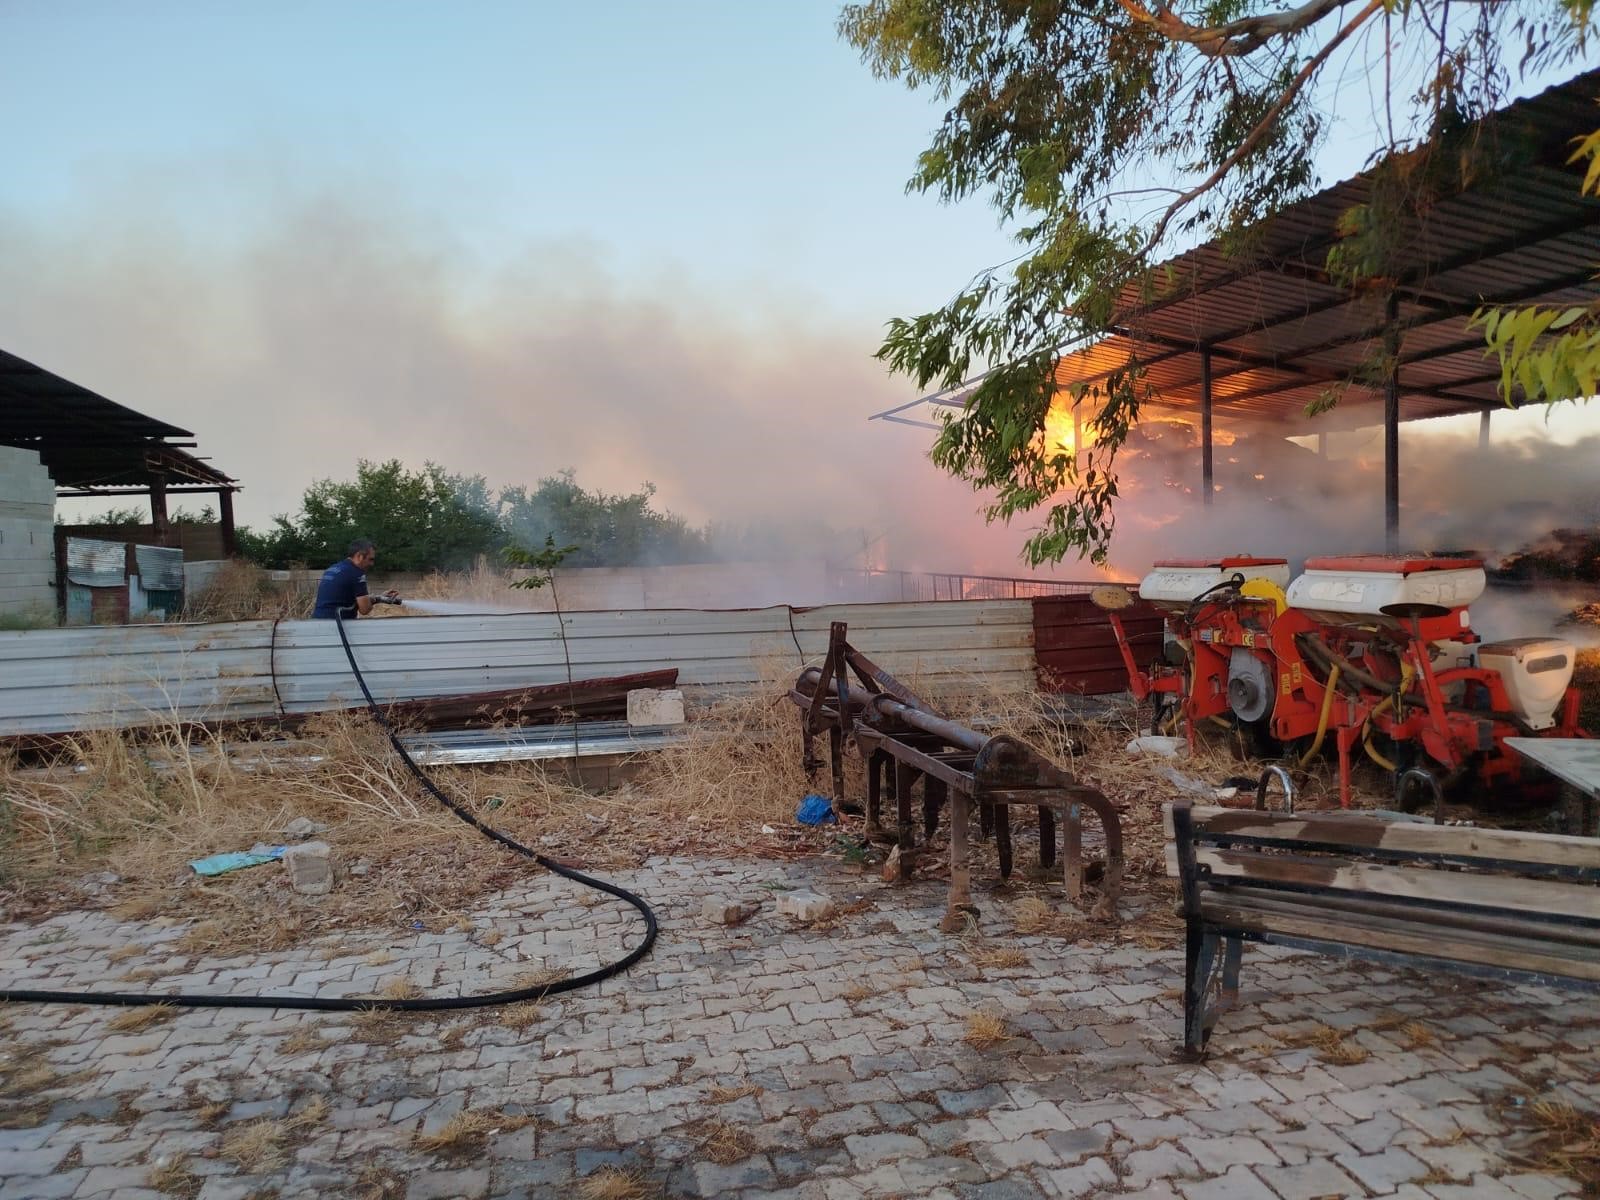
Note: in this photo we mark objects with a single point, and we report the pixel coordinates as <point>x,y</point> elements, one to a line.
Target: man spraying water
<point>343,588</point>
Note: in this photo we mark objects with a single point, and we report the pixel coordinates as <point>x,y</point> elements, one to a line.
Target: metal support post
<point>1391,426</point>
<point>1207,483</point>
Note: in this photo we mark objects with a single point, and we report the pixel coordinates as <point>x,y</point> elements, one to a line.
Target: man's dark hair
<point>360,545</point>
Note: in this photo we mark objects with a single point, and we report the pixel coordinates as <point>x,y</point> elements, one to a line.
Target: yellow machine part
<point>1265,589</point>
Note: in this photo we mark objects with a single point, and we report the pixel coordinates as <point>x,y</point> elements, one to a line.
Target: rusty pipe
<point>884,705</point>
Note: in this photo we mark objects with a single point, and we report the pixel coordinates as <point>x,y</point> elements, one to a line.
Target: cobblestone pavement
<point>771,1059</point>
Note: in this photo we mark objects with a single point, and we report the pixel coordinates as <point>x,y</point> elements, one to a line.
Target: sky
<point>644,241</point>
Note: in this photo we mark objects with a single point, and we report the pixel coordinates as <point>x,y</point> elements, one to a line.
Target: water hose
<point>1407,673</point>
<point>1322,719</point>
<point>362,1004</point>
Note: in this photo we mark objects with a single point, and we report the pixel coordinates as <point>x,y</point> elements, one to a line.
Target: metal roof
<point>88,441</point>
<point>1280,332</point>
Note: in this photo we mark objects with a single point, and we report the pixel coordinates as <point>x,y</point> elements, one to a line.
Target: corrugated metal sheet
<point>160,568</point>
<point>1076,649</point>
<point>59,680</point>
<point>94,563</point>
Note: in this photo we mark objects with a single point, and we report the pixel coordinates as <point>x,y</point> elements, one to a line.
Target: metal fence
<point>909,586</point>
<point>63,680</point>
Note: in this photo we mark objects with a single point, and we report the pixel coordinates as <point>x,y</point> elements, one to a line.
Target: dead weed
<point>136,1020</point>
<point>466,1133</point>
<point>984,1029</point>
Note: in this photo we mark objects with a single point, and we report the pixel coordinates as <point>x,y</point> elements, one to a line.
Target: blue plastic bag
<point>815,810</point>
<point>221,864</point>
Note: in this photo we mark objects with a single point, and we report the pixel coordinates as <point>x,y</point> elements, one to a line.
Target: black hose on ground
<point>360,1004</point>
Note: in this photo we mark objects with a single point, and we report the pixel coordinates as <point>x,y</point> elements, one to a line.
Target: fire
<point>1061,431</point>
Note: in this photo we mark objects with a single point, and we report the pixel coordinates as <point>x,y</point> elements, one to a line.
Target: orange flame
<point>1062,431</point>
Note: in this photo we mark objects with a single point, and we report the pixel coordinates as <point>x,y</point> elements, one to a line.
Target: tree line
<point>433,519</point>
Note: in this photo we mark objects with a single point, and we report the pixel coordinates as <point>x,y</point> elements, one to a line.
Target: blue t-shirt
<point>341,584</point>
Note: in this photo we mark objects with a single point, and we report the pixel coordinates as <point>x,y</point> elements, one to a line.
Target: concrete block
<point>804,906</point>
<point>719,910</point>
<point>650,706</point>
<point>310,868</point>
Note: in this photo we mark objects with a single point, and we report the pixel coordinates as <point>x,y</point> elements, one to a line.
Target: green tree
<point>605,530</point>
<point>421,520</point>
<point>1108,132</point>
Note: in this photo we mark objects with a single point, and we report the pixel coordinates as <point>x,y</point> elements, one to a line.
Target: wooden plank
<point>1548,897</point>
<point>1400,938</point>
<point>1336,906</point>
<point>1366,833</point>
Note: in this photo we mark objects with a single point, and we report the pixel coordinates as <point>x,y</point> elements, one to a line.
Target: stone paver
<point>769,1059</point>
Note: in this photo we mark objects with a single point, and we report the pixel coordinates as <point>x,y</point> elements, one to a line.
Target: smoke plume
<point>345,326</point>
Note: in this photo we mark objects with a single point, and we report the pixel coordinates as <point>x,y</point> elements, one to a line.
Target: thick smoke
<point>1276,497</point>
<point>341,330</point>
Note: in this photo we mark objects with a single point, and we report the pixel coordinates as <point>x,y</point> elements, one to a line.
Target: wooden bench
<point>1482,902</point>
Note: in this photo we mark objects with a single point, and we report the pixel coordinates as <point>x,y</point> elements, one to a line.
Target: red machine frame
<point>1370,676</point>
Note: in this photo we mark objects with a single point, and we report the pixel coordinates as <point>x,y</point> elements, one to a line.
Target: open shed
<point>93,447</point>
<point>1257,331</point>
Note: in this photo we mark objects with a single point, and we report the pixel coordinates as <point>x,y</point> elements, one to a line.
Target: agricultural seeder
<point>904,741</point>
<point>1369,653</point>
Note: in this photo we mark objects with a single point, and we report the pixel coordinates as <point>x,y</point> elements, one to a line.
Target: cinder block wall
<point>27,540</point>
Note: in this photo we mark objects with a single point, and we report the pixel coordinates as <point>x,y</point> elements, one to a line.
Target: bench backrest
<point>1529,875</point>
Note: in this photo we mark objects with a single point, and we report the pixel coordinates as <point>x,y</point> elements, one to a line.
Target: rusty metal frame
<point>959,768</point>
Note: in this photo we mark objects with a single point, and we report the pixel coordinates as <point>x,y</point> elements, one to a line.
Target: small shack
<point>59,440</point>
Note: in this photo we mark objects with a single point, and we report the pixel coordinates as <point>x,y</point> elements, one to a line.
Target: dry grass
<point>174,1177</point>
<point>537,977</point>
<point>208,1114</point>
<point>242,591</point>
<point>1418,1036</point>
<point>1566,1142</point>
<point>202,938</point>
<point>400,989</point>
<point>724,1144</point>
<point>379,958</point>
<point>379,1183</point>
<point>378,1026</point>
<point>998,958</point>
<point>134,1020</point>
<point>305,1040</point>
<point>522,1015</point>
<point>860,991</point>
<point>984,1029</point>
<point>123,953</point>
<point>727,1095</point>
<point>29,1077</point>
<point>466,1133</point>
<point>261,1145</point>
<point>1332,1045</point>
<point>608,1183</point>
<point>740,767</point>
<point>1034,917</point>
<point>137,908</point>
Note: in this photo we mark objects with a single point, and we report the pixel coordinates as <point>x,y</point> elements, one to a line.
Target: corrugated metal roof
<point>1281,332</point>
<point>86,440</point>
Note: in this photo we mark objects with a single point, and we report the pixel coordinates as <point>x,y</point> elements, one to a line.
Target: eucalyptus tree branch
<point>1267,122</point>
<point>1231,38</point>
